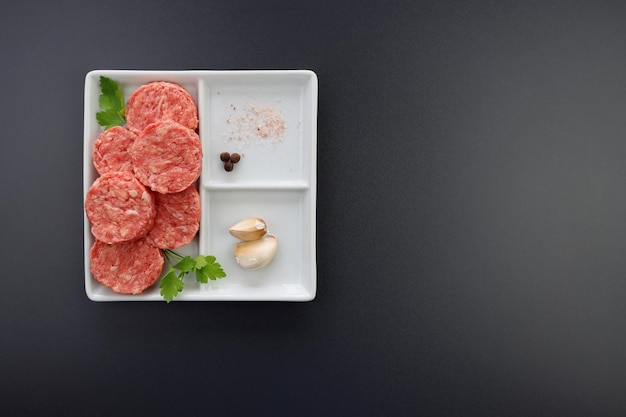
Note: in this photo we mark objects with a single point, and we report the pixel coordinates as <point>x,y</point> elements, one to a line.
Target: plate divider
<point>203,243</point>
<point>270,186</point>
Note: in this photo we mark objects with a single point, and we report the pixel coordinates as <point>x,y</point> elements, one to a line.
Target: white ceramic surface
<point>275,179</point>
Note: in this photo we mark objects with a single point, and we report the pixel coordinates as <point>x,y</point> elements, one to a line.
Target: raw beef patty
<point>167,157</point>
<point>126,268</point>
<point>110,150</point>
<point>119,208</point>
<point>177,220</point>
<point>160,101</point>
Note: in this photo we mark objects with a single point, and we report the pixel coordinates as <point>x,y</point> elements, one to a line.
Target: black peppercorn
<point>224,156</point>
<point>235,158</point>
<point>228,166</point>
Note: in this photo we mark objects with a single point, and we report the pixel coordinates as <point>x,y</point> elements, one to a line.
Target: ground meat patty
<point>119,208</point>
<point>167,157</point>
<point>110,150</point>
<point>127,268</point>
<point>160,101</point>
<point>177,220</point>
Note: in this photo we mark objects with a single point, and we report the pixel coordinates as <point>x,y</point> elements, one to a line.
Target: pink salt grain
<point>271,122</point>
<point>259,124</point>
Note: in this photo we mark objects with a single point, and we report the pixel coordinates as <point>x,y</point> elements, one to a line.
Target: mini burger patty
<point>126,268</point>
<point>119,208</point>
<point>167,157</point>
<point>160,101</point>
<point>177,220</point>
<point>110,150</point>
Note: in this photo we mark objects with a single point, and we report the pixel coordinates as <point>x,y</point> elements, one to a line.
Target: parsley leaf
<point>171,285</point>
<point>111,88</point>
<point>207,269</point>
<point>204,267</point>
<point>213,270</point>
<point>185,264</point>
<point>200,261</point>
<point>111,104</point>
<point>109,118</point>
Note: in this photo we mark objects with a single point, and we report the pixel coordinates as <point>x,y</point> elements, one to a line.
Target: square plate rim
<point>312,78</point>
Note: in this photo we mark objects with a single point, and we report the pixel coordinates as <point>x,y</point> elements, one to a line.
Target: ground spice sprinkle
<point>260,125</point>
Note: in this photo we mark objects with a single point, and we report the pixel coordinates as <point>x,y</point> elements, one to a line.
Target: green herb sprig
<point>111,104</point>
<point>204,267</point>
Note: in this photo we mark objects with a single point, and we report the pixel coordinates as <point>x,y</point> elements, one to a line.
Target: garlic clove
<point>249,229</point>
<point>255,254</point>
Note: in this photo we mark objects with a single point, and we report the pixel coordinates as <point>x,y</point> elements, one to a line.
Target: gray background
<point>471,214</point>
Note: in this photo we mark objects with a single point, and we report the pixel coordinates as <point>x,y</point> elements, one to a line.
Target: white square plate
<point>275,179</point>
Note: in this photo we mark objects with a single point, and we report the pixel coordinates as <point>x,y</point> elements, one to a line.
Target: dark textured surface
<point>471,214</point>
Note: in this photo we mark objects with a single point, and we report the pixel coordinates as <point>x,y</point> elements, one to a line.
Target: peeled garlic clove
<point>249,229</point>
<point>255,254</point>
